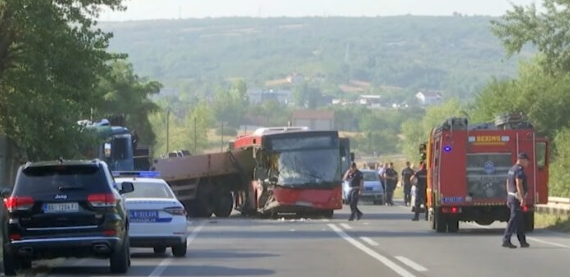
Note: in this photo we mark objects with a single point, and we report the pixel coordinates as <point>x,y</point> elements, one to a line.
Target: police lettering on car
<point>517,189</point>
<point>356,183</point>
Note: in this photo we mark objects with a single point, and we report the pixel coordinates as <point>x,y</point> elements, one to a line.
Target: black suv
<point>65,209</point>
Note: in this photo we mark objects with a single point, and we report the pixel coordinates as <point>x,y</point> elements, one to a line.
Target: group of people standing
<point>389,179</point>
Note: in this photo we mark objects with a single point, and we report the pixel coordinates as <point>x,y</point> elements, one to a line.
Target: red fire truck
<point>467,171</point>
<point>271,171</point>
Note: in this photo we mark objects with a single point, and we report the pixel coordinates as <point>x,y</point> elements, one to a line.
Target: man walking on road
<point>407,174</point>
<point>517,189</point>
<point>356,183</point>
<point>420,177</point>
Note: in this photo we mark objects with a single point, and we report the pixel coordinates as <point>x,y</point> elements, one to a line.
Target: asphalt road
<point>384,243</point>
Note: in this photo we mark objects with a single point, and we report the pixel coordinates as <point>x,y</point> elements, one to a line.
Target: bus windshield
<point>308,167</point>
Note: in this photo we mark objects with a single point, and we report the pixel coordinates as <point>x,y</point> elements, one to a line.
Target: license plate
<point>143,216</point>
<point>368,188</point>
<point>61,207</point>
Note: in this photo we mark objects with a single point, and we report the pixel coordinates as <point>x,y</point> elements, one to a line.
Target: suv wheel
<point>120,260</point>
<point>10,265</point>
<point>180,249</point>
<point>159,250</point>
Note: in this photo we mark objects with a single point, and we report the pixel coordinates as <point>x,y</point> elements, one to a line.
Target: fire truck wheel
<point>223,204</point>
<point>439,222</point>
<point>452,226</point>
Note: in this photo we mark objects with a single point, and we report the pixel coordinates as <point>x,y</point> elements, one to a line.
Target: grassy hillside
<point>454,54</point>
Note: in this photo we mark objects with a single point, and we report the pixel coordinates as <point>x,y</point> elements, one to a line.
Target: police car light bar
<point>141,174</point>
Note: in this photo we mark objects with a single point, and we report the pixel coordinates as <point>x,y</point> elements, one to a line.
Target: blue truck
<point>115,146</point>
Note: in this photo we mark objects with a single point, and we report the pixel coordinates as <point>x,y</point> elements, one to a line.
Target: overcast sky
<point>169,9</point>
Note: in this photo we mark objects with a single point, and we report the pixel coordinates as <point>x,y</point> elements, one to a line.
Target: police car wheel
<point>159,249</point>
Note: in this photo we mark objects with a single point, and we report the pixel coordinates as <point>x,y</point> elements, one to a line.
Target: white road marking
<point>346,226</point>
<point>387,262</point>
<point>549,243</point>
<point>325,219</point>
<point>159,269</point>
<point>415,266</point>
<point>369,241</point>
<point>528,238</point>
<point>292,230</point>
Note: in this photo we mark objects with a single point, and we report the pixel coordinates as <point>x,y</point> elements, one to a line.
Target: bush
<point>559,175</point>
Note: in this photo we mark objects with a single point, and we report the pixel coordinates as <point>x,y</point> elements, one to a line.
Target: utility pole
<point>167,130</point>
<point>222,139</point>
<point>195,136</point>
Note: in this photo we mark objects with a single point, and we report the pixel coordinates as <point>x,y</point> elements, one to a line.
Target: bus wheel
<point>328,214</point>
<point>223,204</point>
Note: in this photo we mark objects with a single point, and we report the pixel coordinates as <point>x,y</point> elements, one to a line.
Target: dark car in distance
<point>69,209</point>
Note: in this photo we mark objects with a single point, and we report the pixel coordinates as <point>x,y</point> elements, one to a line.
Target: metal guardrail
<point>556,206</point>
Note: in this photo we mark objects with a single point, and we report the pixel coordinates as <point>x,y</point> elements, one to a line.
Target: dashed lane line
<point>369,241</point>
<point>346,226</point>
<point>158,270</point>
<point>387,262</point>
<point>415,266</point>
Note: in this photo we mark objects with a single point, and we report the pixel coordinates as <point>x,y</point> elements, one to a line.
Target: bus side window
<point>541,161</point>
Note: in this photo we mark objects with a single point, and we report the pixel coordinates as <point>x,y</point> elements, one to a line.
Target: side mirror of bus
<point>271,180</point>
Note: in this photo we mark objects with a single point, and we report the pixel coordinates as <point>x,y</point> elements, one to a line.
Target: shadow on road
<point>171,270</point>
<point>426,233</point>
<point>219,254</point>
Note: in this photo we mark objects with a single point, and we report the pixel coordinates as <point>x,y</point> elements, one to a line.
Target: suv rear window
<point>49,179</point>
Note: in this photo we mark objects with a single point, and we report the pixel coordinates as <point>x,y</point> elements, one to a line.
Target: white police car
<point>157,219</point>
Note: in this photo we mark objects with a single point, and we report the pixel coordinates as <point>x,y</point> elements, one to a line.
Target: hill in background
<point>455,54</point>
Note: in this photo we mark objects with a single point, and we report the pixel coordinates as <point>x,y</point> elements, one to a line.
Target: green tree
<point>127,93</point>
<point>547,31</point>
<point>51,54</point>
<point>415,132</point>
<point>542,97</point>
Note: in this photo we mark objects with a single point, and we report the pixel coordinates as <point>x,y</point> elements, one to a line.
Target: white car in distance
<point>157,219</point>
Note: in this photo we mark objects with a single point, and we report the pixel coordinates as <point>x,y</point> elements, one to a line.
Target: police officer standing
<point>407,174</point>
<point>420,177</point>
<point>356,183</point>
<point>391,179</point>
<point>517,189</point>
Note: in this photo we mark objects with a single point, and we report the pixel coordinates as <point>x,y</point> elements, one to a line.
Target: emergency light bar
<point>141,174</point>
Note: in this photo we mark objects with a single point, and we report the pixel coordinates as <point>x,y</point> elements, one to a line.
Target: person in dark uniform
<point>391,177</point>
<point>407,174</point>
<point>420,177</point>
<point>356,183</point>
<point>517,189</point>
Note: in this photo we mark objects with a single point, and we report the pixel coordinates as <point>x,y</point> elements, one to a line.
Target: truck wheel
<point>529,221</point>
<point>452,226</point>
<point>223,204</point>
<point>439,222</point>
